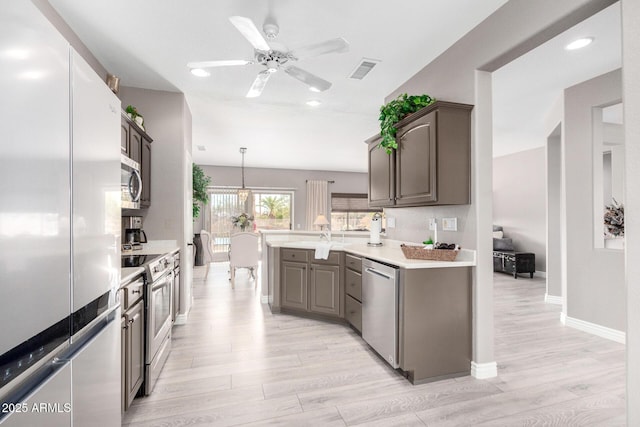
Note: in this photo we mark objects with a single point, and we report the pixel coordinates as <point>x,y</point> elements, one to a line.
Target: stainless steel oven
<point>130,183</point>
<point>158,306</point>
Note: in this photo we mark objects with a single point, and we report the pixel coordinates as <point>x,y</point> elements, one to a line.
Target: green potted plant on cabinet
<point>396,110</point>
<point>133,114</point>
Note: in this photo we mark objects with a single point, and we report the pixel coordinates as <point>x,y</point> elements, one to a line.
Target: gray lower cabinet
<point>133,340</point>
<point>311,285</point>
<point>325,289</point>
<point>294,285</point>
<point>353,291</point>
<point>134,351</point>
<point>435,323</point>
<point>353,312</point>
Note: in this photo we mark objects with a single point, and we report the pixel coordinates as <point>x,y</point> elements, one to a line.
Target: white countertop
<point>389,252</point>
<point>153,247</point>
<point>159,247</point>
<point>129,273</point>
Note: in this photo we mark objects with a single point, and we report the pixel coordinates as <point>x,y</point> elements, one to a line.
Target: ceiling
<point>525,90</point>
<point>147,43</point>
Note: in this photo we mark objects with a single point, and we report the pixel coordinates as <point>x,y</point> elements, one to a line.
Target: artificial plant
<point>396,110</point>
<point>200,183</point>
<point>132,111</point>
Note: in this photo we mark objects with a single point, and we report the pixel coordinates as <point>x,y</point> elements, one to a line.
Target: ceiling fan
<point>276,59</point>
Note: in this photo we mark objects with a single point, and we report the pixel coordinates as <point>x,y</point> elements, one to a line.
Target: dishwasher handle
<point>376,272</point>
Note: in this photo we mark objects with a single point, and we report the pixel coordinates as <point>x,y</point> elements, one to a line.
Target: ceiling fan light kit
<point>273,59</point>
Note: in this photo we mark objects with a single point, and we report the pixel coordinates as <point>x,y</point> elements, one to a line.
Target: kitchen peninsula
<point>423,323</point>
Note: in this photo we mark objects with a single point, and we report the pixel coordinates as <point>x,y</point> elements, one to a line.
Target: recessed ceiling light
<point>314,89</point>
<point>200,72</point>
<point>313,103</point>
<point>579,43</point>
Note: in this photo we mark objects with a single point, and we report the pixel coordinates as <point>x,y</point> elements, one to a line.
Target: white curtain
<point>317,202</point>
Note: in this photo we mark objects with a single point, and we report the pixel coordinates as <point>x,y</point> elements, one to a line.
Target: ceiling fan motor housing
<point>272,59</point>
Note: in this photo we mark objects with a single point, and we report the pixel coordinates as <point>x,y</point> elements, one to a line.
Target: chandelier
<point>243,193</point>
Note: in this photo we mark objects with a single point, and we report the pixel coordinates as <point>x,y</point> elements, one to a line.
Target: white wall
<point>595,277</point>
<point>345,182</point>
<point>631,95</point>
<point>514,29</point>
<point>519,201</point>
<point>167,120</point>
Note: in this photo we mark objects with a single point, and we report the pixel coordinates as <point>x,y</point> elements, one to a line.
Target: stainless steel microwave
<point>130,183</point>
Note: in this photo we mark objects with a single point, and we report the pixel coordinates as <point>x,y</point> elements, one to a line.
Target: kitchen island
<point>428,307</point>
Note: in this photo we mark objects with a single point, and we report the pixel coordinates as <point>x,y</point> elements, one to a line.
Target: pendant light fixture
<point>243,193</point>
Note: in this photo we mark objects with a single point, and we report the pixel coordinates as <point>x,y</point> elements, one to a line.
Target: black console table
<point>514,262</point>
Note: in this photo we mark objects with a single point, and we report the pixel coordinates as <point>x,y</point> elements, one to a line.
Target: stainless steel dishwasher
<point>380,309</point>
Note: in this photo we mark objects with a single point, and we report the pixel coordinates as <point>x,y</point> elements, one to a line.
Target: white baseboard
<point>483,371</point>
<point>552,299</point>
<point>542,274</point>
<point>264,299</point>
<point>592,328</point>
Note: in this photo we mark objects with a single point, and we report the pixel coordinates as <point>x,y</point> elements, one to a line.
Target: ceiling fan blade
<point>338,45</point>
<point>258,84</point>
<point>220,63</point>
<point>248,29</point>
<point>314,82</point>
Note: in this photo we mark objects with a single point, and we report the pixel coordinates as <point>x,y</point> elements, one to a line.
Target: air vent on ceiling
<point>201,148</point>
<point>363,68</point>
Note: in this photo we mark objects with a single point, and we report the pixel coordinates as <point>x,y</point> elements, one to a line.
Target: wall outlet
<point>391,222</point>
<point>450,224</point>
<point>433,224</point>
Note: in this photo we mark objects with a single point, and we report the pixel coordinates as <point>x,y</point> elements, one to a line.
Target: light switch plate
<point>450,224</point>
<point>391,222</point>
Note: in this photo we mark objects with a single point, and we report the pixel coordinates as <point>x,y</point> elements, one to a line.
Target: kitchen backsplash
<point>412,224</point>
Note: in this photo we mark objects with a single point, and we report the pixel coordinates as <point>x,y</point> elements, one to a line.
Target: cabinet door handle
<point>136,292</point>
<point>131,321</point>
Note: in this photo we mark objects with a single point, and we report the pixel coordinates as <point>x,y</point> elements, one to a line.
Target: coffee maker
<point>132,233</point>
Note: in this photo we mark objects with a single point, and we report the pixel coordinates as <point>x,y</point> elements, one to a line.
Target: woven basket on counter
<point>419,252</point>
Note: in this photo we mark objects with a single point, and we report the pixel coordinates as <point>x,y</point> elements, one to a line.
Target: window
<point>271,210</point>
<point>351,211</point>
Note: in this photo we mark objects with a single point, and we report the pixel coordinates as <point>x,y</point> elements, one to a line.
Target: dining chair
<point>205,237</point>
<point>243,253</point>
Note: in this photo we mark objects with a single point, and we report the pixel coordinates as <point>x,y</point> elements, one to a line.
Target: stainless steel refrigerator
<point>59,230</point>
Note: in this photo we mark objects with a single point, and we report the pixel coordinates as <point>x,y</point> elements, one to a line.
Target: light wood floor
<point>235,363</point>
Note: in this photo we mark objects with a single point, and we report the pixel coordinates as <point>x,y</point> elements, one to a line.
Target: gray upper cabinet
<point>136,144</point>
<point>381,170</point>
<point>145,170</point>
<point>432,165</point>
